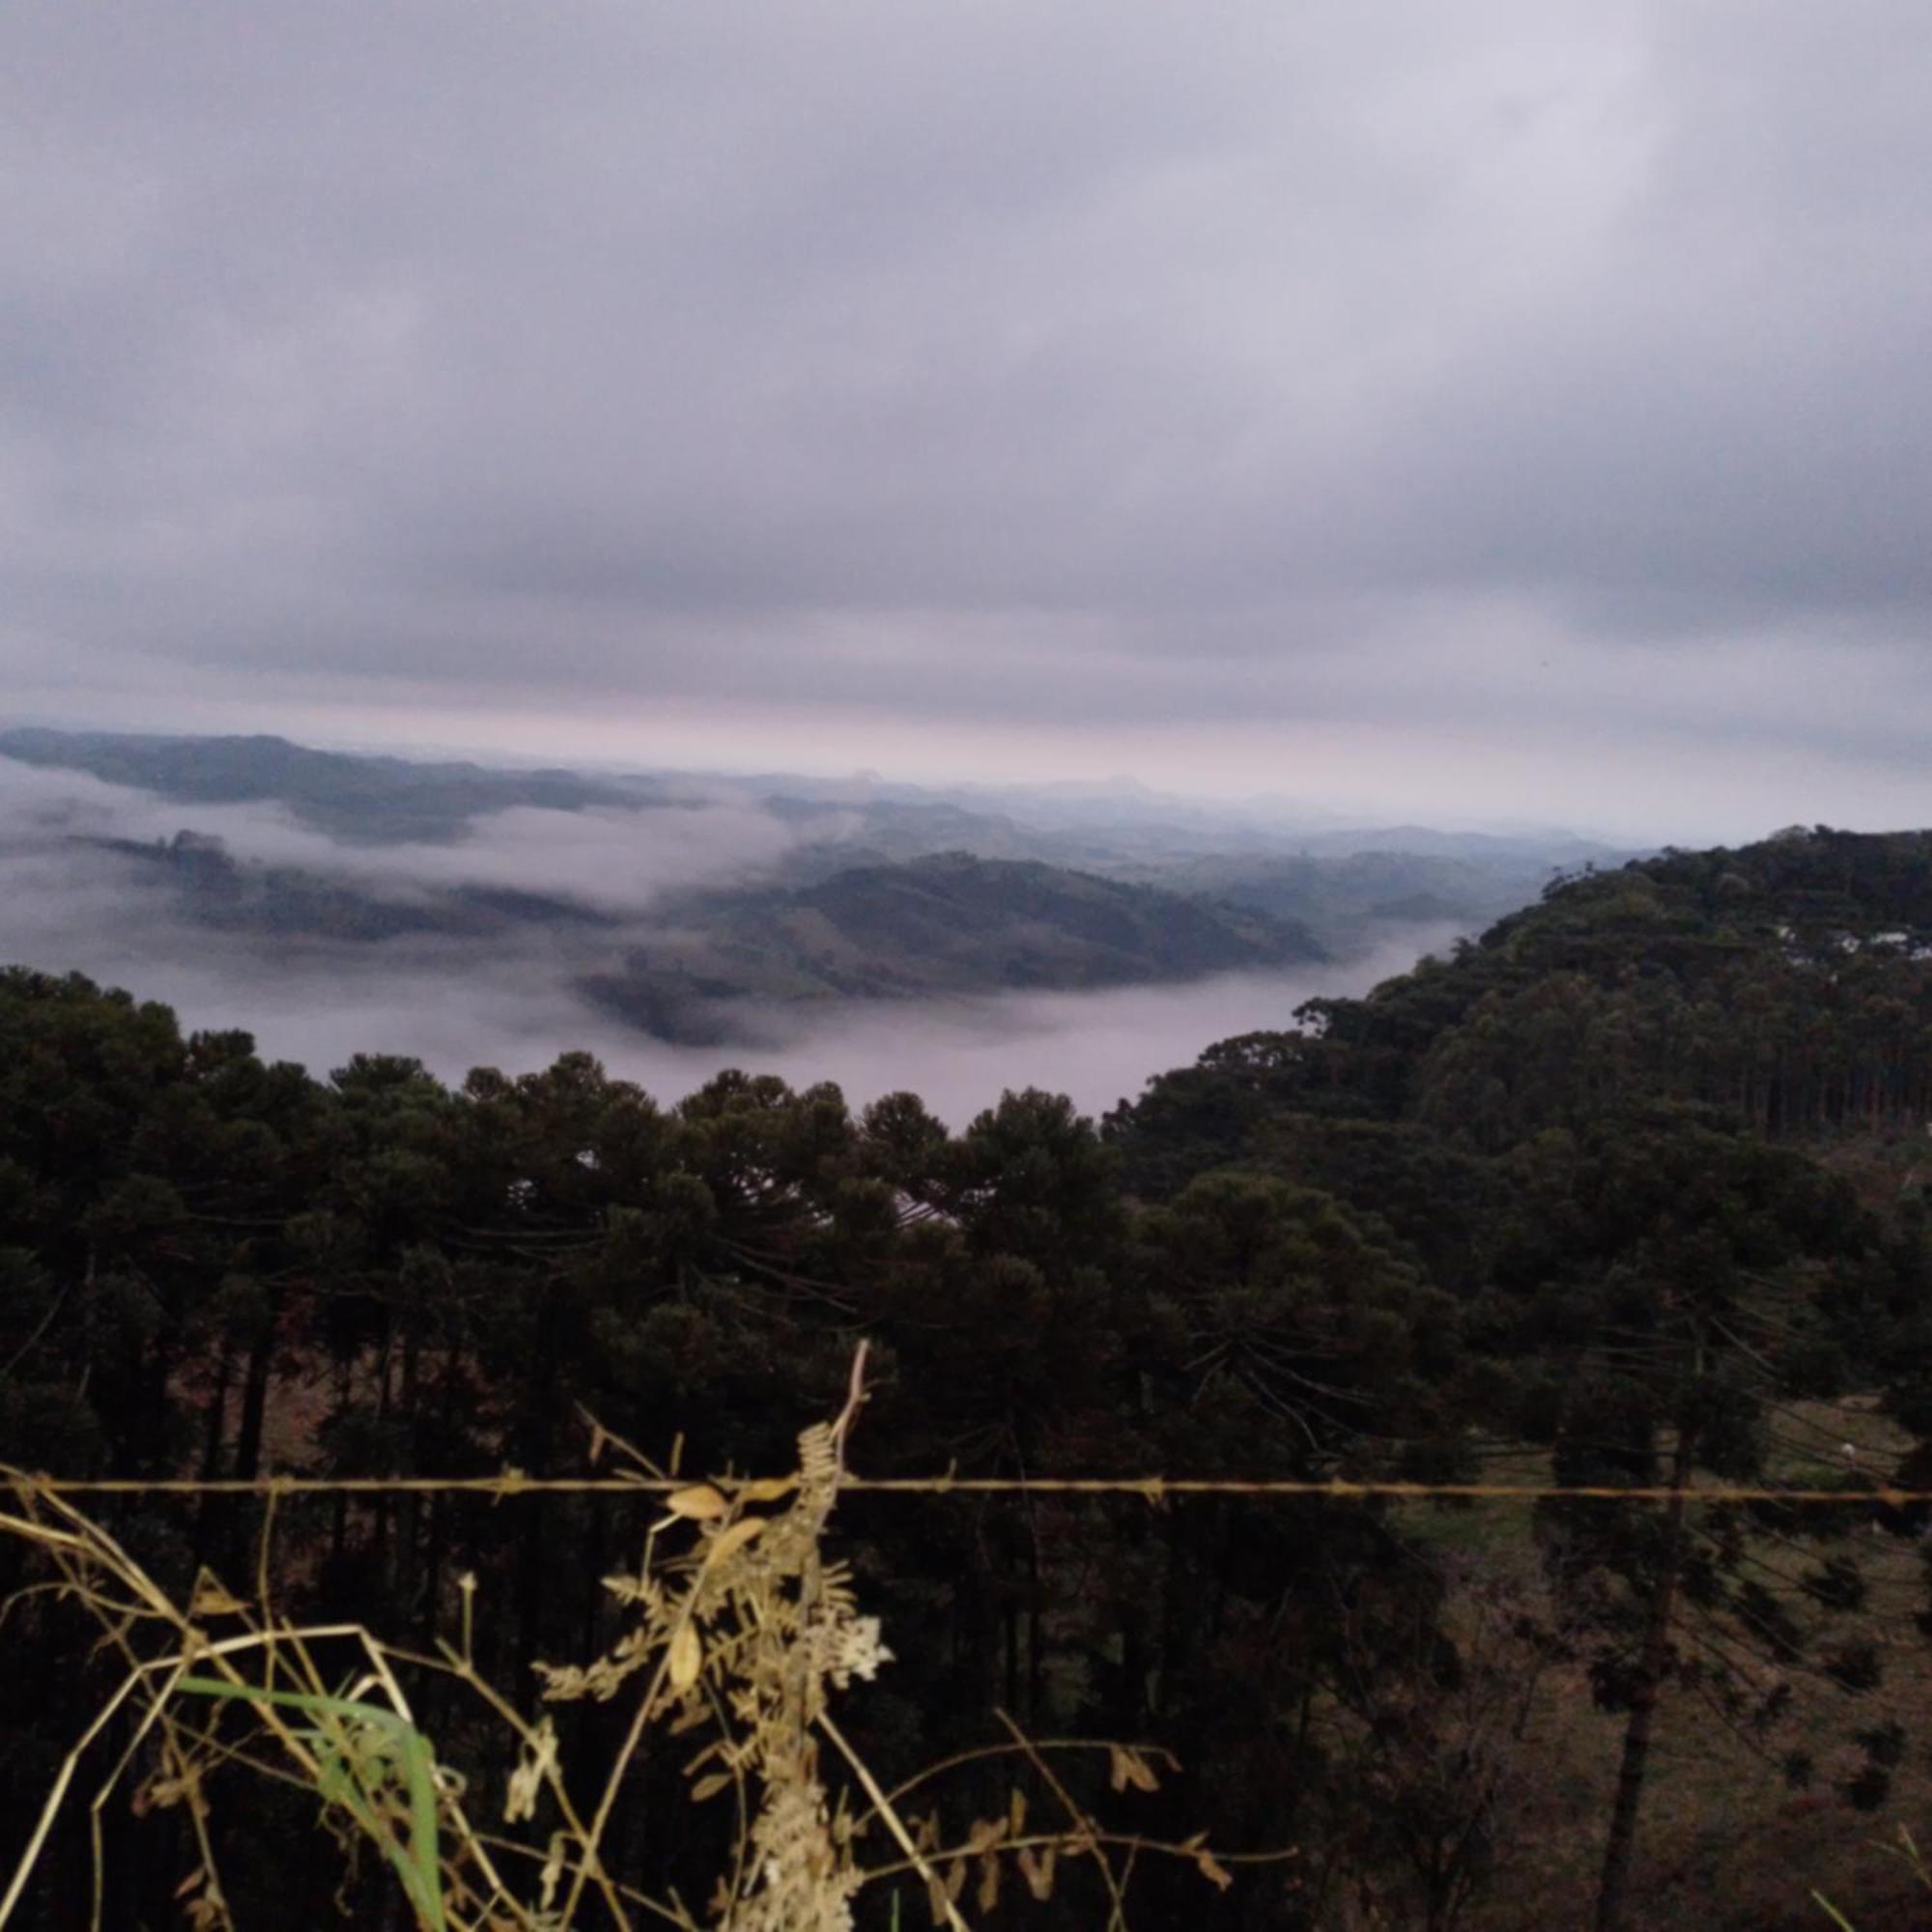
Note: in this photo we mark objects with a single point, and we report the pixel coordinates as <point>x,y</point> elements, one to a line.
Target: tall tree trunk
<point>1622,1840</point>
<point>216,1428</point>
<point>248,1432</point>
<point>255,1400</point>
<point>410,1508</point>
<point>1036,1675</point>
<point>212,1442</point>
<point>530,1580</point>
<point>379,1541</point>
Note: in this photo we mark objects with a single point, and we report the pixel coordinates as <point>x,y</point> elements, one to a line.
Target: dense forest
<point>1630,1192</point>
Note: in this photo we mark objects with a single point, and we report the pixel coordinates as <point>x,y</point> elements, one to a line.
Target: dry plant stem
<point>607,1802</point>
<point>458,1666</point>
<point>962,1758</point>
<point>262,1585</point>
<point>1126,1841</point>
<point>882,1806</point>
<point>592,1841</point>
<point>740,1838</point>
<point>1076,1819</point>
<point>629,1893</point>
<point>157,1705</point>
<point>63,1779</point>
<point>648,1704</point>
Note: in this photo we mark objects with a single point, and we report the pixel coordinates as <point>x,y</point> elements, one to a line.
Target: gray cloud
<point>1516,372</point>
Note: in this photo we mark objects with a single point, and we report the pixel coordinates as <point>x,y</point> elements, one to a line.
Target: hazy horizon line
<point>1333,813</point>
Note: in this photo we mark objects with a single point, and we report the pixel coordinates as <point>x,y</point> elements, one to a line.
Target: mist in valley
<point>74,896</point>
<point>958,1056</point>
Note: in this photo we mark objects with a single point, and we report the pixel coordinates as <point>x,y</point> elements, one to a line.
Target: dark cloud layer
<point>1477,399</point>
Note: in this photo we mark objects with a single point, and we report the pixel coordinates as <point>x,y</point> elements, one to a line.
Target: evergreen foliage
<point>1598,1186</point>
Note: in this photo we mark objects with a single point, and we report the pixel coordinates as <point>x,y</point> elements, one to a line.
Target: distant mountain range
<point>876,890</point>
<point>351,795</point>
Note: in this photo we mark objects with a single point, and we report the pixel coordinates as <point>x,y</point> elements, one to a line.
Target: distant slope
<point>1489,848</point>
<point>210,888</point>
<point>357,797</point>
<point>949,924</point>
<point>1346,891</point>
<point>1351,900</point>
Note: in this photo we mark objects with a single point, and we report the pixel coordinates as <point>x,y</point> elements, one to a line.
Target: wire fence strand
<point>511,1483</point>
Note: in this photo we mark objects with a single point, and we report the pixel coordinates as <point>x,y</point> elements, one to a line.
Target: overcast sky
<point>1512,407</point>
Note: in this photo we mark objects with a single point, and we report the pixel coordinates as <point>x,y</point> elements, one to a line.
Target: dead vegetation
<point>741,1633</point>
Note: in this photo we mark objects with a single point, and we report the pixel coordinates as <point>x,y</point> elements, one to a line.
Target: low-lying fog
<point>958,1056</point>
<point>67,904</point>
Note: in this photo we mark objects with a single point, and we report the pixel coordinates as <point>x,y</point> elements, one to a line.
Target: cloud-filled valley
<point>500,944</point>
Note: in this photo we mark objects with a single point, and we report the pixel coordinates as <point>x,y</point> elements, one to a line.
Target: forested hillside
<point>946,925</point>
<point>1784,982</point>
<point>1631,1192</point>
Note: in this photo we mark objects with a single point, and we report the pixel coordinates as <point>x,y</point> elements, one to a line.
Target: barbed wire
<point>511,1483</point>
